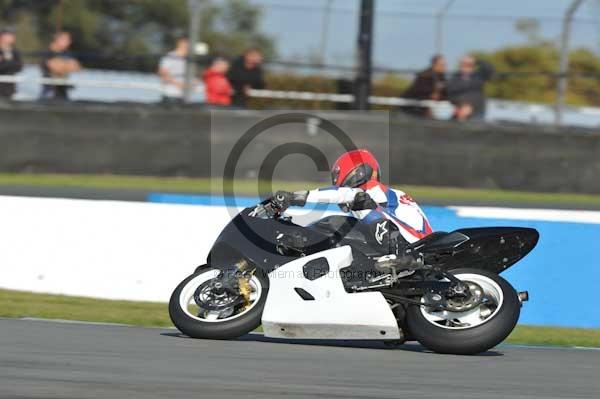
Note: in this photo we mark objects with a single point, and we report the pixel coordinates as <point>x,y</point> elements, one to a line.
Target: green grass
<point>197,185</point>
<point>19,304</point>
<point>46,306</point>
<point>555,336</point>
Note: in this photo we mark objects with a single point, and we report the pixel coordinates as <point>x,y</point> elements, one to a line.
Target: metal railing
<point>271,94</point>
<point>501,109</point>
<point>82,82</point>
<point>343,98</point>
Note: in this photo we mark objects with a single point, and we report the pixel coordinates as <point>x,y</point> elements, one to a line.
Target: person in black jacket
<point>58,63</point>
<point>429,84</point>
<point>10,61</point>
<point>466,88</point>
<point>246,73</point>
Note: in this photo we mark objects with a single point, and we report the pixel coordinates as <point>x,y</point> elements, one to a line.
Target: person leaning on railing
<point>429,84</point>
<point>58,63</point>
<point>217,87</point>
<point>10,61</point>
<point>466,88</point>
<point>171,70</point>
<point>245,74</point>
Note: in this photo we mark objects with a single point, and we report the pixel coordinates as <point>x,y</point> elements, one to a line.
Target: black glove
<point>362,201</point>
<point>281,200</point>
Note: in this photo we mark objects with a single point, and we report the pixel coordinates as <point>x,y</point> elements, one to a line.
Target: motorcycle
<point>328,280</point>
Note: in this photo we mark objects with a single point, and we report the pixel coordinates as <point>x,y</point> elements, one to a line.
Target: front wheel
<point>474,329</point>
<point>208,304</point>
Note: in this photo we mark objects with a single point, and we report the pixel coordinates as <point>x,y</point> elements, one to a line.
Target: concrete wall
<point>153,140</point>
<point>103,139</point>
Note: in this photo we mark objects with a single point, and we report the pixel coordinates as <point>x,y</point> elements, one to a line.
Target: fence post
<point>563,67</point>
<point>439,26</point>
<point>190,66</point>
<point>325,31</point>
<point>362,89</point>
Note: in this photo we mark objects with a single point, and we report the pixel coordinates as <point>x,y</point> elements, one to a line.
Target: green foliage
<point>584,85</point>
<point>528,73</point>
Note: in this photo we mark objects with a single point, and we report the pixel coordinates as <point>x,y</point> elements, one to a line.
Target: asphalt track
<point>43,359</point>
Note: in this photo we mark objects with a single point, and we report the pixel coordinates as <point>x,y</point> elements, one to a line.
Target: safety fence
<point>273,94</point>
<point>96,85</point>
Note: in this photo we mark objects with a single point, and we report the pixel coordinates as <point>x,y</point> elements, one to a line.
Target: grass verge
<point>198,185</point>
<point>149,314</point>
<point>46,306</point>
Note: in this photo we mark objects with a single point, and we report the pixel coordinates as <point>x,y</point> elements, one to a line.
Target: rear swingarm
<point>409,301</point>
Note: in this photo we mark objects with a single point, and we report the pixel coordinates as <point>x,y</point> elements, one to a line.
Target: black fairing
<point>492,248</point>
<point>254,239</point>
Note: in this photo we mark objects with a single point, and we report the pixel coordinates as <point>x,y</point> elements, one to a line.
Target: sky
<point>405,29</point>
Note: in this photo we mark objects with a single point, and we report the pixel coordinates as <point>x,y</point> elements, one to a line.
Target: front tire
<point>206,325</point>
<point>453,337</point>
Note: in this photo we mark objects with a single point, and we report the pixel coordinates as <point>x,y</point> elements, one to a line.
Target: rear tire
<point>235,327</point>
<point>469,340</point>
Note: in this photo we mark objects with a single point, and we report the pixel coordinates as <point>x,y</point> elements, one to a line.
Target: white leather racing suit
<point>393,206</point>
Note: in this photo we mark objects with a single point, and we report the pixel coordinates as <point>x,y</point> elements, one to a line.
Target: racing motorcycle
<point>328,280</point>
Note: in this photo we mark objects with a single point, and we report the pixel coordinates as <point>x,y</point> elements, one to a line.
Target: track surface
<point>41,359</point>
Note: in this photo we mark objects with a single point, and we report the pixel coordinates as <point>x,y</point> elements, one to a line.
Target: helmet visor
<point>359,175</point>
<point>335,174</point>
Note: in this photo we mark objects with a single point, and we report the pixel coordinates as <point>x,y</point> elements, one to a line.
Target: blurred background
<point>314,47</point>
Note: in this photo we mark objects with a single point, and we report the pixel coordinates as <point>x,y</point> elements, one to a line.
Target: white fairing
<point>333,314</point>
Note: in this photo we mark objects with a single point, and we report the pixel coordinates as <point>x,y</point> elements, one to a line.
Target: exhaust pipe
<point>523,296</point>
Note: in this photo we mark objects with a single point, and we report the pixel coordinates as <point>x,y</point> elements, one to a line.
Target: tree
<point>528,73</point>
<point>584,84</point>
<point>525,73</point>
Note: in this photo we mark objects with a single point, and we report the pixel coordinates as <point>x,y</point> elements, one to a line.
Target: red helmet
<point>355,168</point>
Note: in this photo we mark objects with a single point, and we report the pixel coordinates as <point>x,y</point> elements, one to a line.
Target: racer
<point>393,218</point>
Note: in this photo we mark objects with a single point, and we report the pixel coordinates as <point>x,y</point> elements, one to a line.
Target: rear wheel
<point>209,305</point>
<point>471,327</point>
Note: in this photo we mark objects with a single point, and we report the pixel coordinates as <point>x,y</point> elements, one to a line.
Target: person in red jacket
<point>217,87</point>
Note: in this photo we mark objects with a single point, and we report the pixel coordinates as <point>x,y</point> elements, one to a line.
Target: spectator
<point>171,70</point>
<point>246,73</point>
<point>58,63</point>
<point>429,84</point>
<point>466,88</point>
<point>218,89</point>
<point>10,61</point>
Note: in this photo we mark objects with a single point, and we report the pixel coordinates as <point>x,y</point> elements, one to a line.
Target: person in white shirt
<point>171,70</point>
